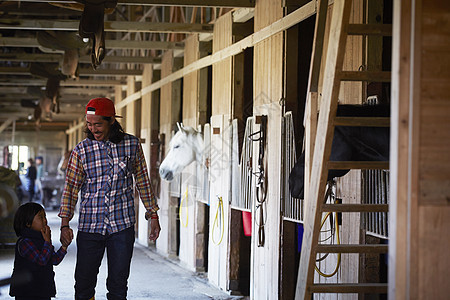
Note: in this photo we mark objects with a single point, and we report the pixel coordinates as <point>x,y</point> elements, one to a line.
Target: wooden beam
<point>110,26</point>
<point>75,128</point>
<point>370,29</point>
<point>110,44</point>
<point>288,21</point>
<point>349,288</point>
<point>7,123</point>
<point>23,113</point>
<point>16,97</point>
<point>62,90</point>
<point>47,126</point>
<point>85,91</point>
<point>200,3</point>
<point>56,58</point>
<point>123,44</point>
<point>89,82</point>
<point>68,82</point>
<point>82,72</point>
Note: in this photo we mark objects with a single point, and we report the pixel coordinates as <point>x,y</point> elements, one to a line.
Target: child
<point>33,276</point>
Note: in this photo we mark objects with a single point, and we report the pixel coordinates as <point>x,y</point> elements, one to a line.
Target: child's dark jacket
<point>34,279</point>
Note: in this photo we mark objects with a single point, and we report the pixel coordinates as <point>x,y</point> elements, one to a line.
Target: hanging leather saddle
<point>92,26</point>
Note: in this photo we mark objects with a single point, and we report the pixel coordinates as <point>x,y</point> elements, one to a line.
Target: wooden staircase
<point>327,120</point>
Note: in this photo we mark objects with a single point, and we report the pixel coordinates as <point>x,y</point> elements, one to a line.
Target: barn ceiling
<point>137,32</point>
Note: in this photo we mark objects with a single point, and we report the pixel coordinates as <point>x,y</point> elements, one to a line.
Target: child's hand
<point>47,234</point>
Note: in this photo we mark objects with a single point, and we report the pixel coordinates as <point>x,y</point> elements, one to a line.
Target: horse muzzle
<point>166,174</point>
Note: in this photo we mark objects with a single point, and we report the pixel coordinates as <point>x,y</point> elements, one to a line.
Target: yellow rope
<point>181,208</point>
<point>219,209</point>
<point>337,242</point>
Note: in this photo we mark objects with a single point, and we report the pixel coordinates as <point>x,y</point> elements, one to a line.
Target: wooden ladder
<point>340,29</point>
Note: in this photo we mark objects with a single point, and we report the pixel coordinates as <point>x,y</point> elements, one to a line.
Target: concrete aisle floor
<point>152,276</point>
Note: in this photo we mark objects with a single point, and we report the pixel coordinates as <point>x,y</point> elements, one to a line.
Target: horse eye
<point>177,146</point>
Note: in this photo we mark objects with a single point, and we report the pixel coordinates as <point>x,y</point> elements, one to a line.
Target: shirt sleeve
<point>28,250</point>
<point>143,183</point>
<point>58,256</point>
<point>74,178</point>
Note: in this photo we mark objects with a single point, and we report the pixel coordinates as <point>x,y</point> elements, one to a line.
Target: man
<point>31,176</point>
<point>102,168</point>
<point>39,175</point>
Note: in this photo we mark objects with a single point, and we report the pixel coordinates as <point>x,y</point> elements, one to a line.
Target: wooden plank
<point>200,3</point>
<point>110,26</point>
<point>317,52</point>
<point>375,248</point>
<point>322,150</point>
<point>400,155</point>
<point>355,207</point>
<point>363,121</point>
<point>131,116</point>
<point>370,29</point>
<point>82,72</point>
<point>377,76</point>
<point>432,254</point>
<point>75,127</point>
<point>190,83</point>
<point>268,83</point>
<point>310,118</point>
<point>372,288</point>
<point>118,97</point>
<point>222,70</point>
<point>110,44</point>
<point>5,124</point>
<point>290,20</point>
<point>361,165</point>
<point>355,56</point>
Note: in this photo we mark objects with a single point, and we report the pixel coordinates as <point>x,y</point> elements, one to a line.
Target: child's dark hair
<point>24,216</point>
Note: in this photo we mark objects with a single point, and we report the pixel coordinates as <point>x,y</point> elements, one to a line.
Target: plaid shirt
<point>28,250</point>
<point>103,172</point>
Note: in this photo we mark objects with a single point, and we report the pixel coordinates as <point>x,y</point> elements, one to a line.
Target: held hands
<point>47,234</point>
<point>154,229</point>
<point>66,236</point>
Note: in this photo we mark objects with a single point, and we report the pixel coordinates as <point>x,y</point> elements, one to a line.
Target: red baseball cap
<point>101,107</point>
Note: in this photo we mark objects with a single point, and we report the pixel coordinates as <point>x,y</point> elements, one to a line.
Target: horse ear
<point>180,127</point>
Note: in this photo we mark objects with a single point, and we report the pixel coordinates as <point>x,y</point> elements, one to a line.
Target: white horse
<point>185,147</point>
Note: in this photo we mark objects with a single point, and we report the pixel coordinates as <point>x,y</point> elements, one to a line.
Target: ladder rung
<point>362,165</point>
<point>376,288</point>
<point>363,121</point>
<point>355,207</point>
<point>375,248</point>
<point>376,76</point>
<point>370,29</point>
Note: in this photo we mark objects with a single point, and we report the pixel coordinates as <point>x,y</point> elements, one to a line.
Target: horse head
<point>185,147</point>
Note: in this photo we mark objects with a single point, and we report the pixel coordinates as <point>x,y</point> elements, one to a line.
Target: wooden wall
<point>268,90</point>
<point>222,71</point>
<point>170,107</point>
<point>118,96</point>
<point>420,139</point>
<point>190,83</point>
<point>132,108</point>
<point>148,125</point>
<point>192,229</point>
<point>220,185</point>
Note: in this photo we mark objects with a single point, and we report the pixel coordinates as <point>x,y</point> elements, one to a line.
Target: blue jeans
<point>90,250</point>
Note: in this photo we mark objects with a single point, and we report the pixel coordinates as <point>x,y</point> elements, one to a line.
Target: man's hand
<point>154,229</point>
<point>66,236</point>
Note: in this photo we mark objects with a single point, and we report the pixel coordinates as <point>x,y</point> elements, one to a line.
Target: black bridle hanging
<point>261,192</point>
